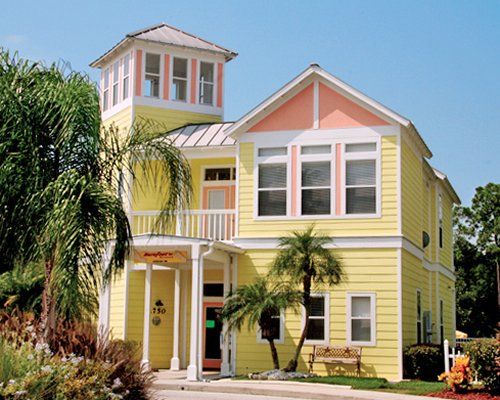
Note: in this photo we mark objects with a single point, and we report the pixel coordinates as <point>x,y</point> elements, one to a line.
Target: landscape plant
<point>305,262</point>
<point>460,376</point>
<point>63,176</point>
<point>485,361</point>
<point>423,361</point>
<point>260,303</point>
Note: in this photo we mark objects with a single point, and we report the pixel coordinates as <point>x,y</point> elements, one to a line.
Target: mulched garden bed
<point>473,394</point>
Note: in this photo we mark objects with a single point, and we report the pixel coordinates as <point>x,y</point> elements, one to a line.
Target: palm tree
<point>61,183</point>
<point>259,304</point>
<point>305,261</point>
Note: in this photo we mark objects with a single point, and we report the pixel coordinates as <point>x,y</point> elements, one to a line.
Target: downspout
<point>210,251</point>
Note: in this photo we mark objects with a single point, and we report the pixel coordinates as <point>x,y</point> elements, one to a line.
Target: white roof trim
<point>315,69</point>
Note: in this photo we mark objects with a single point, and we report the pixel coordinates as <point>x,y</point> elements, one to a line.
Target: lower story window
<point>361,319</point>
<point>318,319</point>
<point>275,329</point>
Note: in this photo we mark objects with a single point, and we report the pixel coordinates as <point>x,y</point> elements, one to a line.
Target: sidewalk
<point>167,380</point>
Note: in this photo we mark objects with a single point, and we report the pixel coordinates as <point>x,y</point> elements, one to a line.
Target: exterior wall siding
<point>411,186</point>
<point>167,119</point>
<point>122,119</point>
<point>367,270</point>
<point>117,306</point>
<point>384,225</point>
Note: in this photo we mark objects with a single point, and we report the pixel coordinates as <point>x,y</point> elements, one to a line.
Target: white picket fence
<point>449,357</point>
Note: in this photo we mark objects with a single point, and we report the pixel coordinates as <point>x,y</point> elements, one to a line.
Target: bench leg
<point>359,369</point>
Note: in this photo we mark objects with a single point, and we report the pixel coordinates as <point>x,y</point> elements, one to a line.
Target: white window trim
<point>214,83</point>
<point>286,159</point>
<point>160,75</point>
<point>326,340</point>
<point>301,158</point>
<point>281,339</point>
<point>188,79</point>
<point>125,77</point>
<point>373,319</point>
<point>105,104</point>
<point>362,156</point>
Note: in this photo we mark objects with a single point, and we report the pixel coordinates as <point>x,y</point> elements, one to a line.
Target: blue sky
<point>434,62</point>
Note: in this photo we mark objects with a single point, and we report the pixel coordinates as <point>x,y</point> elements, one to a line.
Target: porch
<point>167,306</point>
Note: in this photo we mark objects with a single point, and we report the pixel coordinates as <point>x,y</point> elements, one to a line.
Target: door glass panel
<point>213,329</point>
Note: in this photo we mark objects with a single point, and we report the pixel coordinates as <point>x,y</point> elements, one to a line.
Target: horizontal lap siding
<point>386,225</point>
<point>414,277</point>
<point>122,120</point>
<point>411,174</point>
<point>367,270</point>
<point>167,120</point>
<point>117,306</point>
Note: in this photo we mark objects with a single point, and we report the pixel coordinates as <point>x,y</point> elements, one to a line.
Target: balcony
<point>201,224</point>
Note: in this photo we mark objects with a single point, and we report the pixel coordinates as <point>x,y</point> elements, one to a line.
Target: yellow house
<point>316,151</point>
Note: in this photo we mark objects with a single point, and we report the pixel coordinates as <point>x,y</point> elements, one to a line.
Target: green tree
<point>477,255</point>
<point>305,261</point>
<point>259,304</point>
<point>61,183</point>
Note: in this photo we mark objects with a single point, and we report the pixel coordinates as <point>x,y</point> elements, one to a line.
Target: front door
<point>212,322</point>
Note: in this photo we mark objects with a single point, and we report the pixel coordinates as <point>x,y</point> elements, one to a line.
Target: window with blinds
<point>360,178</point>
<point>272,186</point>
<point>316,329</point>
<point>361,319</point>
<point>316,180</point>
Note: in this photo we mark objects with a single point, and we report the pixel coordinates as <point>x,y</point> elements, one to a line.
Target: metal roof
<point>202,135</point>
<point>169,35</point>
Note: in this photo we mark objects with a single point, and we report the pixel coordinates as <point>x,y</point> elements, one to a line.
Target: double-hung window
<point>319,325</point>
<point>105,92</point>
<point>440,216</point>
<point>361,178</point>
<point>180,79</point>
<point>316,180</point>
<point>152,78</point>
<point>126,76</point>
<point>116,76</point>
<point>441,320</point>
<point>361,323</point>
<point>206,91</point>
<point>272,181</point>
<point>419,316</point>
<point>276,329</point>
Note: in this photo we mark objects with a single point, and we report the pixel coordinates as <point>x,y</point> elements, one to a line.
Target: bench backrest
<point>337,352</point>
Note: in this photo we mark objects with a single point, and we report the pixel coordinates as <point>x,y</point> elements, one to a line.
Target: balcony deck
<point>201,224</point>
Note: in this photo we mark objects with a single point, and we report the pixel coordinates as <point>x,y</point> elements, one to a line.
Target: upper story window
<point>152,78</point>
<point>206,91</point>
<point>272,181</point>
<point>105,92</point>
<point>116,77</point>
<point>180,79</point>
<point>440,216</point>
<point>360,178</point>
<point>316,182</point>
<point>126,76</point>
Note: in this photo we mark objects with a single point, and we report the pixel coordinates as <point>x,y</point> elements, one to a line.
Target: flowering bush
<point>485,360</point>
<point>460,376</point>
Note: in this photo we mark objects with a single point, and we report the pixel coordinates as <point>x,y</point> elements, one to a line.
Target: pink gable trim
<point>294,114</point>
<point>294,181</point>
<point>193,81</point>
<point>166,77</point>
<point>337,111</point>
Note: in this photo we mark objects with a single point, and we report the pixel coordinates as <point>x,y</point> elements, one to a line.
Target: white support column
<point>192,369</point>
<point>174,362</point>
<point>234,281</point>
<point>225,366</point>
<point>147,306</point>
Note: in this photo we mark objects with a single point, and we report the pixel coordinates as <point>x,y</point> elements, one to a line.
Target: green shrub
<point>485,360</point>
<point>423,361</point>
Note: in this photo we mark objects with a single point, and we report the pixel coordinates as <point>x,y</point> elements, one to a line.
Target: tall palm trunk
<point>48,316</point>
<point>292,364</point>
<point>274,353</point>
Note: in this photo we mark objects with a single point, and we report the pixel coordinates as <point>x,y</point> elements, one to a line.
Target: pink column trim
<point>294,181</point>
<point>338,180</point>
<point>138,74</point>
<point>166,77</point>
<point>220,76</point>
<point>193,81</point>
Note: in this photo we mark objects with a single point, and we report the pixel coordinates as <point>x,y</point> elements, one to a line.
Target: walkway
<point>169,381</point>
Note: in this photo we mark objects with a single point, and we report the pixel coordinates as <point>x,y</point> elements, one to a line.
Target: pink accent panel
<point>294,114</point>
<point>294,181</point>
<point>166,77</point>
<point>193,81</point>
<point>138,73</point>
<point>337,111</point>
<point>338,184</point>
<point>220,77</point>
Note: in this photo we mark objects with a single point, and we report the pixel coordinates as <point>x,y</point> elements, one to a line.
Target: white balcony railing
<point>203,224</point>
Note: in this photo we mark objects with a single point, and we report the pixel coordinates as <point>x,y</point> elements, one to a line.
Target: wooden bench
<point>335,355</point>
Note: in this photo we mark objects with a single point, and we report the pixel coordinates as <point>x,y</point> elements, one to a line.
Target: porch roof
<point>148,240</point>
<point>202,135</point>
